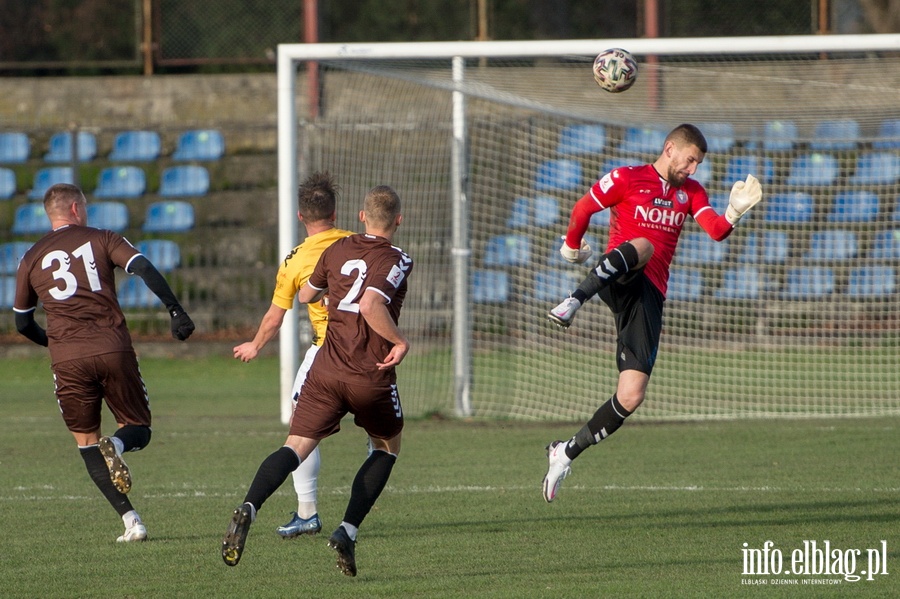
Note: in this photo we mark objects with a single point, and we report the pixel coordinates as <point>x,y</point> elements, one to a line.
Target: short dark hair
<point>688,134</point>
<point>317,197</point>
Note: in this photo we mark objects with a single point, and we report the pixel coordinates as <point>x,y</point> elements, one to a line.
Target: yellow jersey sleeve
<point>294,271</point>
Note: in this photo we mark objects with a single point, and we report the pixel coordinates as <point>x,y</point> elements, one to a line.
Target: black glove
<point>182,325</point>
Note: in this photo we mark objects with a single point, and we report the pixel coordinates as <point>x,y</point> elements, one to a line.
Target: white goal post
<point>296,158</point>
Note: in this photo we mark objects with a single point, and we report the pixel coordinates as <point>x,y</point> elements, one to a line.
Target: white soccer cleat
<point>557,471</point>
<point>563,314</point>
<point>134,533</point>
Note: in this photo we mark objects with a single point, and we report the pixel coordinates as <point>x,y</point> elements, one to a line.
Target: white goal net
<point>490,144</point>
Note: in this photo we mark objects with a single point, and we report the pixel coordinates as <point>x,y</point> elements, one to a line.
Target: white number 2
<point>348,303</point>
<point>68,283</point>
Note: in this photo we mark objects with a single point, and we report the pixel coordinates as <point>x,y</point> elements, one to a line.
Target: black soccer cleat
<point>341,542</point>
<point>236,535</point>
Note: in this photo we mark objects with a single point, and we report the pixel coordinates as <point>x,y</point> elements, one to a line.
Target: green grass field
<point>658,510</point>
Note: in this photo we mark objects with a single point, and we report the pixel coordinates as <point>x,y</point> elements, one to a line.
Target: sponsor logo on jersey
<point>659,216</point>
<point>662,203</point>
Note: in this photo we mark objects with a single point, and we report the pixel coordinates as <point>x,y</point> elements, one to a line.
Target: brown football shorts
<point>83,384</point>
<point>325,400</point>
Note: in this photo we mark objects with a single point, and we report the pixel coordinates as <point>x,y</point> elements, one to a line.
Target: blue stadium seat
<point>520,216</point>
<point>107,215</point>
<point>121,182</point>
<point>170,216</point>
<point>854,207</point>
<point>165,254</point>
<point>742,283</point>
<point>7,292</point>
<point>558,175</point>
<point>871,282</point>
<point>796,207</point>
<point>643,140</point>
<point>29,219</point>
<point>699,248</point>
<point>490,286</point>
<point>738,167</point>
<point>14,148</point>
<point>685,285</point>
<point>61,147</point>
<point>134,293</point>
<point>887,245</point>
<point>888,137</point>
<point>200,144</point>
<point>554,285</point>
<point>779,135</point>
<point>136,146</point>
<point>876,168</point>
<point>7,184</point>
<point>719,201</point>
<point>183,181</point>
<point>831,245</point>
<point>809,282</point>
<point>10,254</point>
<point>582,139</point>
<point>507,250</point>
<point>47,177</point>
<point>831,135</point>
<point>600,219</point>
<point>772,250</point>
<point>704,173</point>
<point>541,211</point>
<point>719,137</point>
<point>813,169</point>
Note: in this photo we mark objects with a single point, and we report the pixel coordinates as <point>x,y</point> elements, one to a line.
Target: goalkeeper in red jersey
<point>648,206</point>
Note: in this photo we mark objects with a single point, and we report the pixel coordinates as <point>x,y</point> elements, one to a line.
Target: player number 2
<point>348,303</point>
<point>68,283</point>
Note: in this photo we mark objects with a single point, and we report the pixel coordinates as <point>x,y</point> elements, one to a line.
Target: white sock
<point>351,530</point>
<point>120,446</point>
<point>305,479</point>
<point>131,518</point>
<point>306,509</point>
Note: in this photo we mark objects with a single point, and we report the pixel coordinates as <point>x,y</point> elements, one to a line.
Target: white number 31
<point>68,284</point>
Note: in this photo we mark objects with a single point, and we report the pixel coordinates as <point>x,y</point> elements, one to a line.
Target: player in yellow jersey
<point>317,200</point>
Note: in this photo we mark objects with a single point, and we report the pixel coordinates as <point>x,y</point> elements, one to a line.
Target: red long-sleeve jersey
<point>643,204</point>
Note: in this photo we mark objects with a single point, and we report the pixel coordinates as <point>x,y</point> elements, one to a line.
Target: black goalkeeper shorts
<point>637,306</point>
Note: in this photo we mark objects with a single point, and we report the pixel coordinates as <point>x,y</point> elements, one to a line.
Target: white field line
<point>46,492</point>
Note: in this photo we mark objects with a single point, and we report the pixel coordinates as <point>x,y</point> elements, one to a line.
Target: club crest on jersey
<point>607,181</point>
<point>662,203</point>
<point>681,196</point>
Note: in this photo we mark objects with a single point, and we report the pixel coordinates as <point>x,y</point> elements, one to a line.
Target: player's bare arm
<point>268,328</point>
<point>373,308</point>
<point>309,294</point>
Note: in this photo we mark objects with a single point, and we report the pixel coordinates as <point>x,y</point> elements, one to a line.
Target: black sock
<point>605,421</point>
<point>99,473</point>
<point>133,436</point>
<point>611,266</point>
<point>368,484</point>
<point>272,473</point>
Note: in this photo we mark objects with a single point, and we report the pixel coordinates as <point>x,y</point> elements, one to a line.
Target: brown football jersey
<point>71,271</point>
<point>348,268</point>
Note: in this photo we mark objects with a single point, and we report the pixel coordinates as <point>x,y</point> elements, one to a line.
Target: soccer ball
<point>615,70</point>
